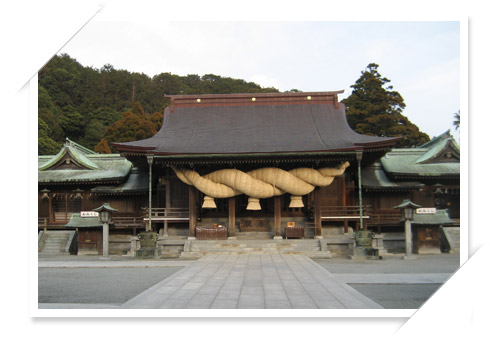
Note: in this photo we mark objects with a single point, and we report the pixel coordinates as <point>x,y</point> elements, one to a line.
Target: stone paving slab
<point>252,281</point>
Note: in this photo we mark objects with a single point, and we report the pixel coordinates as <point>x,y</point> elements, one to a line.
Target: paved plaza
<point>267,281</point>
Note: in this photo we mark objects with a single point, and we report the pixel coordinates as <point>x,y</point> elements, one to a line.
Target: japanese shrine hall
<point>248,166</point>
<point>256,161</point>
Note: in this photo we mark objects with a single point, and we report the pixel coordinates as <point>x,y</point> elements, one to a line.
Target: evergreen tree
<point>375,109</point>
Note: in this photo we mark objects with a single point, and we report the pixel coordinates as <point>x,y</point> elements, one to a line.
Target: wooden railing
<point>128,221</point>
<point>374,218</point>
<point>348,212</point>
<point>385,217</point>
<point>42,222</point>
<point>162,214</point>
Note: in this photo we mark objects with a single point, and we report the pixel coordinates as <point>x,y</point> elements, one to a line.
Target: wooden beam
<point>192,212</point>
<point>231,217</point>
<point>277,217</point>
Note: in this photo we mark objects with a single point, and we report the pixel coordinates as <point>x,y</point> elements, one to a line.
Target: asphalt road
<point>97,285</point>
<point>396,296</point>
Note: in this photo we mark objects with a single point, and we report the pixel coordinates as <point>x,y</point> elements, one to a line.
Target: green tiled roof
<point>83,222</point>
<point>94,167</point>
<point>440,217</point>
<point>423,161</point>
<point>374,178</point>
<point>137,182</point>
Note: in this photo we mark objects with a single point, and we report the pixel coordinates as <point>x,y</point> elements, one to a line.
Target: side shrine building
<point>272,166</point>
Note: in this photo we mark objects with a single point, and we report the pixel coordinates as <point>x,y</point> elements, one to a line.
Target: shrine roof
<point>374,178</point>
<point>439,158</point>
<point>257,123</point>
<point>440,217</point>
<point>76,164</point>
<point>137,182</point>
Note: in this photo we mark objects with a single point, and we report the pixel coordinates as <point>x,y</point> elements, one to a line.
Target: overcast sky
<point>421,58</point>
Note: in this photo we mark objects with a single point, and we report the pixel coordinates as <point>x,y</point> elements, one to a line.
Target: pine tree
<point>375,109</point>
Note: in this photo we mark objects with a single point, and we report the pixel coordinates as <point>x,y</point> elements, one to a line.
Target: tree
<point>457,120</point>
<point>102,147</point>
<point>134,125</point>
<point>375,109</point>
<point>45,144</point>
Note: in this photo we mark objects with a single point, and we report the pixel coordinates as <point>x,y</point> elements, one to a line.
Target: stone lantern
<point>407,208</point>
<point>105,214</point>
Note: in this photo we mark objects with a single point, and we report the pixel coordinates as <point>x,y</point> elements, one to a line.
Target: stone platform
<point>234,281</point>
<point>310,248</point>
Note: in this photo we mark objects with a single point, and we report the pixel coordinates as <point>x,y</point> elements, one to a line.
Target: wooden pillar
<point>344,202</point>
<point>192,212</point>
<point>231,218</point>
<point>277,217</point>
<point>318,215</point>
<point>167,206</point>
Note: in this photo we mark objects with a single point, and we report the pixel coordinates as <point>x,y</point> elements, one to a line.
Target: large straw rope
<point>259,183</point>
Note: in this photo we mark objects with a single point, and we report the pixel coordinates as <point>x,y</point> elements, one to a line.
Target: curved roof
<point>76,164</point>
<point>440,158</point>
<point>255,123</point>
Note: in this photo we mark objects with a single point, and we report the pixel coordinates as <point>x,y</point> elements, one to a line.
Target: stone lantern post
<point>407,207</point>
<point>105,214</point>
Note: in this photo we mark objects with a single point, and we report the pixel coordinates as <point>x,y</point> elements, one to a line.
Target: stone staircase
<point>452,237</point>
<point>171,248</point>
<point>254,235</point>
<point>307,247</point>
<point>55,242</point>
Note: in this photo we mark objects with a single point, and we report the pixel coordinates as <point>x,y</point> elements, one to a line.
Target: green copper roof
<point>437,159</point>
<point>73,153</point>
<point>440,217</point>
<point>90,166</point>
<point>137,182</point>
<point>374,178</point>
<point>83,222</point>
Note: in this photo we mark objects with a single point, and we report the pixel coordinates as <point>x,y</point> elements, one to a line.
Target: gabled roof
<point>76,221</point>
<point>137,182</point>
<point>259,123</point>
<point>70,153</point>
<point>374,178</point>
<point>76,164</point>
<point>440,217</point>
<point>437,158</point>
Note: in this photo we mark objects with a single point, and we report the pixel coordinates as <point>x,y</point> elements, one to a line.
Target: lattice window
<point>63,205</point>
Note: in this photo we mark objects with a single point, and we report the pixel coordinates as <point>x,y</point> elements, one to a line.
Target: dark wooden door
<point>427,238</point>
<point>89,242</point>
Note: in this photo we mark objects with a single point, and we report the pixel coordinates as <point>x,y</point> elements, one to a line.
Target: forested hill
<point>94,106</point>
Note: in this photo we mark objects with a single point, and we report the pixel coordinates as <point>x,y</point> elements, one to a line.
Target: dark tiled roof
<point>272,123</point>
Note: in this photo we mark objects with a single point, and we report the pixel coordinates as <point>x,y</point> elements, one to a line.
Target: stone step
<point>55,241</point>
<point>254,235</point>
<point>453,237</point>
<point>311,254</point>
